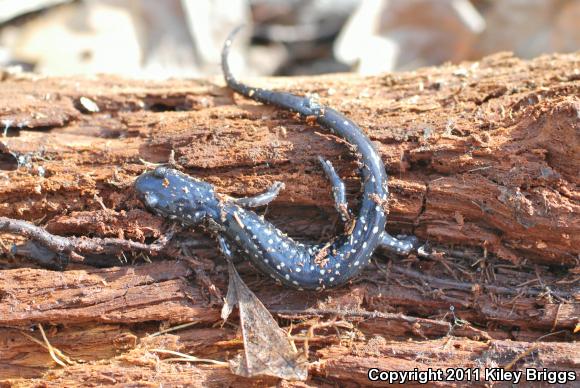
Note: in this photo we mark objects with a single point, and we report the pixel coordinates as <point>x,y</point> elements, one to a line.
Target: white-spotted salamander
<point>190,201</point>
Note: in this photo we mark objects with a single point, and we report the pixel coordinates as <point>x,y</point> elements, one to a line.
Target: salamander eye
<point>160,172</point>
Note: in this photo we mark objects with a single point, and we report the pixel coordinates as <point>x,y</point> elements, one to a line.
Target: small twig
<point>362,314</point>
<point>99,200</point>
<point>550,334</point>
<point>332,323</point>
<point>171,160</point>
<point>174,328</point>
<point>525,353</point>
<point>526,283</point>
<point>414,324</point>
<point>55,353</point>
<point>444,283</point>
<point>556,318</point>
<point>386,271</point>
<point>51,350</point>
<point>75,247</point>
<point>201,277</point>
<point>145,257</point>
<point>187,357</point>
<point>565,281</point>
<point>329,136</point>
<point>479,168</point>
<point>151,164</point>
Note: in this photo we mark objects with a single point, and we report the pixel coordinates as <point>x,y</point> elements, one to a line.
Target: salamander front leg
<point>402,245</point>
<point>261,199</point>
<point>338,189</point>
<point>225,248</point>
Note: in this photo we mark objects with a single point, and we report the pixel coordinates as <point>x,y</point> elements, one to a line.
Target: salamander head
<point>177,196</point>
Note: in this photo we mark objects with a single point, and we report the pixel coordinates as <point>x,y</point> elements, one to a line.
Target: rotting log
<point>483,162</point>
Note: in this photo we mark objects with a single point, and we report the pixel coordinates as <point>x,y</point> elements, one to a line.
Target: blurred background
<point>183,38</point>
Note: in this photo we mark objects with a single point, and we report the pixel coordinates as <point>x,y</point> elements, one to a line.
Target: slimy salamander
<point>191,201</point>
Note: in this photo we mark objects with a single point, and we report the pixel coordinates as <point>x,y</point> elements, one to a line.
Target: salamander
<point>175,195</point>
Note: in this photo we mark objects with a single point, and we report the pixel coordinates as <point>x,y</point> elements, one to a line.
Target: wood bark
<point>483,164</point>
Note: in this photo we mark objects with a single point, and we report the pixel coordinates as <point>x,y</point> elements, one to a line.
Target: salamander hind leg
<point>402,245</point>
<point>338,189</point>
<point>261,199</point>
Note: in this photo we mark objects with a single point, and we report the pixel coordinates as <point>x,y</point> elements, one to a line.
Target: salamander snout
<point>176,195</point>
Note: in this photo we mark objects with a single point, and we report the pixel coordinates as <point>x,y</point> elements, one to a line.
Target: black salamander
<point>191,201</point>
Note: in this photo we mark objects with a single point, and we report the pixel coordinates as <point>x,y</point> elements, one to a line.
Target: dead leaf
<point>267,349</point>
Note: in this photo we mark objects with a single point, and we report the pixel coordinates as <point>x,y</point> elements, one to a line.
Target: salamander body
<point>190,201</point>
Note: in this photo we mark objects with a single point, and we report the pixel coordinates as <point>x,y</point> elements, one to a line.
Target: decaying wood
<point>483,162</point>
